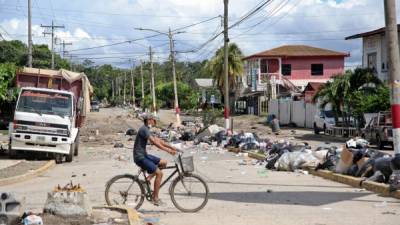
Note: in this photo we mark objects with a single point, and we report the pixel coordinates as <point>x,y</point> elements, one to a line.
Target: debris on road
<point>12,210</point>
<point>68,201</point>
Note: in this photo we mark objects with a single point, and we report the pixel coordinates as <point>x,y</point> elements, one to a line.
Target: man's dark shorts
<point>149,163</point>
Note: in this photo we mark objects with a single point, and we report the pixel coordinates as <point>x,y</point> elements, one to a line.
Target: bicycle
<point>131,187</point>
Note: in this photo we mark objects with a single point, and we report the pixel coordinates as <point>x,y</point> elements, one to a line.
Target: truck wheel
<point>70,156</point>
<point>316,131</point>
<point>58,158</point>
<point>76,150</point>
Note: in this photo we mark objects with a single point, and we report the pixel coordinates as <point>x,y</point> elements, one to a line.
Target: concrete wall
<point>297,112</point>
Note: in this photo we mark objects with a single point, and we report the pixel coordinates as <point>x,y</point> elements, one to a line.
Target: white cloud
<point>114,21</point>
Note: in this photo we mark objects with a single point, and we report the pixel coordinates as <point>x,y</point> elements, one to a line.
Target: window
<point>317,69</point>
<point>286,69</point>
<point>264,66</point>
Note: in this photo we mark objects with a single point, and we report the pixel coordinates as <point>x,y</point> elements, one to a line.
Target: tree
<point>188,97</point>
<point>235,70</point>
<point>351,94</point>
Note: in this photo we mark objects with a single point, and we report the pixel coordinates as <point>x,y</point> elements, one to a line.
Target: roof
<point>204,82</point>
<point>370,33</point>
<point>46,90</point>
<point>313,86</point>
<point>297,51</point>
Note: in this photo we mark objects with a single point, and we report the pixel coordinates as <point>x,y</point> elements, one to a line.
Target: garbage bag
<point>345,161</point>
<point>291,161</point>
<point>32,220</point>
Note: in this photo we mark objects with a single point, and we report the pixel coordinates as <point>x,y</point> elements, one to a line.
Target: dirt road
<point>239,194</point>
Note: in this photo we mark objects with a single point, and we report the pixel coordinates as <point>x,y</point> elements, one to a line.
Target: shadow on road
<point>306,198</point>
<point>267,184</point>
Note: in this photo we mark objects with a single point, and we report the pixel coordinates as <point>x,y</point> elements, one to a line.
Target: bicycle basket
<point>187,164</point>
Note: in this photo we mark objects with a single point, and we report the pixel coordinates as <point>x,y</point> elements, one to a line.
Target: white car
<point>323,119</point>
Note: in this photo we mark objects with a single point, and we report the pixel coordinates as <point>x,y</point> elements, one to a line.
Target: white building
<point>374,52</point>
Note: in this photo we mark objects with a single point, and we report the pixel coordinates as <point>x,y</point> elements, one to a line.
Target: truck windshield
<point>45,103</point>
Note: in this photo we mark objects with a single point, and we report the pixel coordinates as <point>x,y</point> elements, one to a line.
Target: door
<point>372,61</point>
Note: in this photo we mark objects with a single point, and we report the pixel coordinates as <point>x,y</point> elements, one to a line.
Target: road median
<point>28,175</point>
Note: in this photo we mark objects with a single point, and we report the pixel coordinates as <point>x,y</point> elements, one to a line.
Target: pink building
<point>286,71</point>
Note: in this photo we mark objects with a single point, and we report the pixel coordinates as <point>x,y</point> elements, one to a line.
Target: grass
<point>4,132</point>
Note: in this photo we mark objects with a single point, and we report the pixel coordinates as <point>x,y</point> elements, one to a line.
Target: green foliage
<point>187,97</point>
<point>371,101</point>
<point>148,102</point>
<point>209,117</point>
<point>353,94</point>
<point>13,52</point>
<point>7,80</point>
<point>235,67</point>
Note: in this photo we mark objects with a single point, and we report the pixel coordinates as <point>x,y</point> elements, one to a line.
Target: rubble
<point>10,214</point>
<point>68,201</point>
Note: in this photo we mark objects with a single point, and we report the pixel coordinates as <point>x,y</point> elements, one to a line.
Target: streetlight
<point>172,54</point>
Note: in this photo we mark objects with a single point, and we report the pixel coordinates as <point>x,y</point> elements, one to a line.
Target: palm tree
<point>341,90</point>
<point>235,70</point>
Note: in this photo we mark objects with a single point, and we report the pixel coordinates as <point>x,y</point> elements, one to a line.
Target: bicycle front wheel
<point>124,190</point>
<point>189,193</point>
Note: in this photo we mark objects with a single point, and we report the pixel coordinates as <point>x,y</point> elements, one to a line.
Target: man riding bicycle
<point>148,162</point>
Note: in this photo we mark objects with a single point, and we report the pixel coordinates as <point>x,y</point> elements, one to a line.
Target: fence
<point>297,112</point>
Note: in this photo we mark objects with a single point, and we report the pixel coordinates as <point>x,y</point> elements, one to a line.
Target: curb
<point>378,188</point>
<point>27,176</point>
<point>133,216</point>
<point>254,155</point>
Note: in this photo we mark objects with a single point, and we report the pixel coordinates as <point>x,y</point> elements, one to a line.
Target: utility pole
<point>394,72</point>
<point>53,27</point>
<point>133,87</point>
<point>172,55</point>
<point>172,52</point>
<point>112,88</point>
<point>63,44</point>
<point>226,83</point>
<point>153,87</point>
<point>141,75</point>
<point>124,87</point>
<point>29,34</point>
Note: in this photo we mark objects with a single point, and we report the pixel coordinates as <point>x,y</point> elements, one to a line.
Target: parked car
<point>379,130</point>
<point>94,106</point>
<point>323,119</point>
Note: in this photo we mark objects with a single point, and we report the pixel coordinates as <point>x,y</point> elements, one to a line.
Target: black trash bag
<point>330,161</point>
<point>234,141</point>
<point>131,132</point>
<point>271,160</point>
<point>187,136</point>
<point>383,165</point>
<point>377,177</point>
<point>220,136</point>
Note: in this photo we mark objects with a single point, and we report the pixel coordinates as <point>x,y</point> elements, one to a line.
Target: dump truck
<point>50,110</point>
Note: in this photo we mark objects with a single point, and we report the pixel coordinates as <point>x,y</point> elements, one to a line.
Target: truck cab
<point>379,130</point>
<point>44,121</point>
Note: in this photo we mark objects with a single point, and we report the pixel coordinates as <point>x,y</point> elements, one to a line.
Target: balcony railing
<point>266,78</point>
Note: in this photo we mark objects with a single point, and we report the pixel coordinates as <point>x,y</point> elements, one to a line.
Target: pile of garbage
<point>356,159</point>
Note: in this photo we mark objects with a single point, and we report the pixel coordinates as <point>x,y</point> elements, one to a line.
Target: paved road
<point>239,194</point>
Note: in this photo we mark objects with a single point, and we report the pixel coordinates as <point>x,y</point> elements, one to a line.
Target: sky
<point>90,24</point>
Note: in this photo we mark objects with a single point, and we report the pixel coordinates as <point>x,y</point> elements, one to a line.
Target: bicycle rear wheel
<point>124,190</point>
<point>189,193</point>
